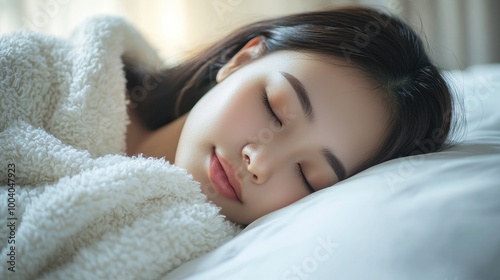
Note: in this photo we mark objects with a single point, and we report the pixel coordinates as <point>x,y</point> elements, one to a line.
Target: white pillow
<point>433,216</point>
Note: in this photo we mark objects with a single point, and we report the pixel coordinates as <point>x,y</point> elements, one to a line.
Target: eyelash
<point>304,180</point>
<point>269,109</point>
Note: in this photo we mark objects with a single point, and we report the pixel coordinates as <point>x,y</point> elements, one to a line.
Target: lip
<point>222,176</point>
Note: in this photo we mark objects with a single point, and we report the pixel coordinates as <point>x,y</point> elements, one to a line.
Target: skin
<point>349,120</point>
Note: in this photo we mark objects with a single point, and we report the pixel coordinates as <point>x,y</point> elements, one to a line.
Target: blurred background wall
<point>459,33</point>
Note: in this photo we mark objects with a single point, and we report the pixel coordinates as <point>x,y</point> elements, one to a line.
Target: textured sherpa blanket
<point>72,205</point>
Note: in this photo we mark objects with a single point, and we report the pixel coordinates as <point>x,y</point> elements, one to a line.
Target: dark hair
<point>382,46</point>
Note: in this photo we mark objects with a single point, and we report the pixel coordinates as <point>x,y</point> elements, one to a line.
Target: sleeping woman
<point>275,111</point>
<point>288,106</point>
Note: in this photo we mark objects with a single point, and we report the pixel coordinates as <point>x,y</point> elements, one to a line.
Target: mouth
<point>222,176</point>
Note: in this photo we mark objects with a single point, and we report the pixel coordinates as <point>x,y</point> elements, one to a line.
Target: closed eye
<point>304,179</point>
<point>269,109</point>
<point>274,117</point>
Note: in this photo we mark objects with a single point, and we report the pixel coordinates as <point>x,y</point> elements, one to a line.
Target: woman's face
<point>322,122</point>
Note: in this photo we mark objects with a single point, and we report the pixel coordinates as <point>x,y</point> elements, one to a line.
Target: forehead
<point>351,116</point>
<point>318,69</point>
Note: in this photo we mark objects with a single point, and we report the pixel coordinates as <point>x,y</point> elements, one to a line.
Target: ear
<point>254,49</point>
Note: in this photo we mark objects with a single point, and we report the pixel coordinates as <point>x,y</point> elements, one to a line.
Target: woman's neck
<point>158,143</point>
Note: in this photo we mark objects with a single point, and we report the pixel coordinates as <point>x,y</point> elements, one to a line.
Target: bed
<point>86,214</point>
<point>433,216</point>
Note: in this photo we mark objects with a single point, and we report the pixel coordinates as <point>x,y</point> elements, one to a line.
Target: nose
<point>259,162</point>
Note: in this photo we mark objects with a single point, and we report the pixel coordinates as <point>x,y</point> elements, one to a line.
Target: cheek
<point>226,121</point>
<point>238,119</point>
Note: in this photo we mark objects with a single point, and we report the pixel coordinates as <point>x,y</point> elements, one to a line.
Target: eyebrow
<point>302,94</point>
<point>305,103</point>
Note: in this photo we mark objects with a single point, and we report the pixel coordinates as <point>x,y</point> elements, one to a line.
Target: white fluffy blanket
<point>72,205</point>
